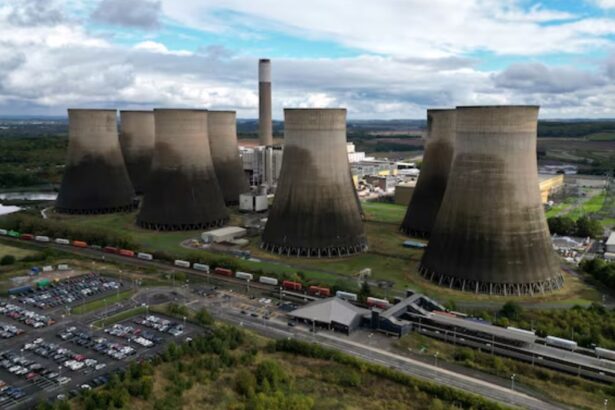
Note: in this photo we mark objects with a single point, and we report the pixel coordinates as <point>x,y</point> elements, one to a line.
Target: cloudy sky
<point>379,59</point>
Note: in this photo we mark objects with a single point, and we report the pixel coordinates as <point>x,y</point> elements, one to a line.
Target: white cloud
<point>605,4</point>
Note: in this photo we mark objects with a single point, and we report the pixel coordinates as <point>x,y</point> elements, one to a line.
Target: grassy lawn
<point>119,317</point>
<point>101,303</point>
<point>18,253</point>
<point>383,212</point>
<point>570,390</point>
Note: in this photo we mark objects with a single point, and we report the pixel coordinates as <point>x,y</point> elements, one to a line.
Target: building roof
<point>329,310</point>
<point>611,240</point>
<point>227,230</point>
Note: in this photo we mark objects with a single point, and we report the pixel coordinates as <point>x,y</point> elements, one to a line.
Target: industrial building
<point>253,202</point>
<point>182,192</point>
<point>427,195</point>
<point>265,126</point>
<point>262,165</point>
<point>137,143</point>
<point>331,313</point>
<point>491,234</point>
<point>222,130</point>
<point>549,185</point>
<point>315,212</point>
<point>226,234</point>
<point>95,179</point>
<point>403,193</point>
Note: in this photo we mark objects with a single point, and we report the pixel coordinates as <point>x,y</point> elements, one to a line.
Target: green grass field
<point>101,303</point>
<point>601,136</point>
<point>119,317</point>
<point>18,253</point>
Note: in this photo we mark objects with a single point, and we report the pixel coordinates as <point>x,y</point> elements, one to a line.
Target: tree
<point>204,318</point>
<point>562,225</point>
<point>364,292</point>
<point>589,227</point>
<point>511,310</point>
<point>245,383</point>
<point>7,260</point>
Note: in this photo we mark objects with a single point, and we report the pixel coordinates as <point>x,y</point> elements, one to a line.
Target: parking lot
<point>69,291</point>
<point>71,356</point>
<point>24,315</point>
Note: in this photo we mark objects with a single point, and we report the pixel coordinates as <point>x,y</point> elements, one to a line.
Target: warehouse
<point>331,313</point>
<point>226,234</point>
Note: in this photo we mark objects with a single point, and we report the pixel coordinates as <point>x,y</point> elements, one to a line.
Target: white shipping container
<point>244,275</point>
<point>4,232</point>
<point>63,266</point>
<point>40,238</point>
<point>48,268</point>
<point>559,342</point>
<point>268,281</point>
<point>521,331</point>
<point>183,264</point>
<point>145,256</point>
<point>62,241</point>
<point>346,295</point>
<point>605,353</point>
<point>200,266</point>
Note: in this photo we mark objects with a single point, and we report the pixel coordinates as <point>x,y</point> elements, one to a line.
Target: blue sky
<point>385,59</point>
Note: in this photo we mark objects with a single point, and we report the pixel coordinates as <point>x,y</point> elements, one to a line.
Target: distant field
<point>15,251</point>
<point>601,136</point>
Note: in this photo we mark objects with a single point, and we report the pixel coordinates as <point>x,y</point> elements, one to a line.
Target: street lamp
<point>435,358</point>
<point>512,381</point>
<point>606,404</point>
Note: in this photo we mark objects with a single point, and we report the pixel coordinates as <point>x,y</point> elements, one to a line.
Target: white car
<point>63,380</point>
<point>86,387</point>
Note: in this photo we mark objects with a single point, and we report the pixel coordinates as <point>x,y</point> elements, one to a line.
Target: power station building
<point>265,125</point>
<point>182,191</point>
<point>222,128</point>
<point>491,235</point>
<point>95,178</point>
<point>427,195</point>
<point>315,212</point>
<point>137,143</point>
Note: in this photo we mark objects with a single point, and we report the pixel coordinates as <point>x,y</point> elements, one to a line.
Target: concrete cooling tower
<point>425,203</point>
<point>222,126</point>
<point>95,179</point>
<point>137,142</point>
<point>182,192</point>
<point>315,212</point>
<point>491,234</point>
<point>265,131</point>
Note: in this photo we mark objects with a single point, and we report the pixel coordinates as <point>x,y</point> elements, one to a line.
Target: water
<point>29,196</point>
<point>8,209</point>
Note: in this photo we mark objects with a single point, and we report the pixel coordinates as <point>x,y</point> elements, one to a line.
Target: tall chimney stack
<point>264,102</point>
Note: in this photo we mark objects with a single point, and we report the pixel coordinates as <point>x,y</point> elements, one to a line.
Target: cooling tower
<point>315,212</point>
<point>264,102</point>
<point>491,234</point>
<point>182,192</point>
<point>137,142</point>
<point>95,179</point>
<point>425,203</point>
<point>222,128</point>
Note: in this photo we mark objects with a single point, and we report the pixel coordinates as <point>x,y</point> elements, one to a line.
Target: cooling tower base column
<point>494,288</point>
<point>316,252</point>
<point>101,211</point>
<point>182,227</point>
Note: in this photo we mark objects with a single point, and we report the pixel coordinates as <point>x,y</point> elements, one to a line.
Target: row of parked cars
<point>162,325</point>
<point>30,318</point>
<point>101,345</point>
<point>9,331</point>
<point>63,356</point>
<point>70,290</point>
<point>9,393</point>
<point>30,370</point>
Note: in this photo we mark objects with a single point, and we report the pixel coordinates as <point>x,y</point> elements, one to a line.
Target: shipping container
<point>14,234</point>
<point>48,268</point>
<point>26,236</point>
<point>562,343</point>
<point>287,284</point>
<point>244,275</point>
<point>201,266</point>
<point>80,244</point>
<point>126,252</point>
<point>223,271</point>
<point>181,263</point>
<point>110,249</point>
<point>318,291</point>
<point>375,302</point>
<point>346,295</point>
<point>43,283</point>
<point>62,241</point>
<point>63,266</point>
<point>4,232</point>
<point>605,353</point>
<point>521,331</point>
<point>20,290</point>
<point>41,238</point>
<point>145,256</point>
<point>268,281</point>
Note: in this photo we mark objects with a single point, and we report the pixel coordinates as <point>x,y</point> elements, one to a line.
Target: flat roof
<point>227,230</point>
<point>329,310</point>
<point>611,240</point>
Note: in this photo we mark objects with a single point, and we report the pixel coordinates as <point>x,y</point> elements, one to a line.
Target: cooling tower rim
<point>180,110</point>
<point>264,60</point>
<point>92,109</point>
<point>223,111</point>
<point>315,109</point>
<point>502,106</point>
<point>139,111</point>
<point>441,110</point>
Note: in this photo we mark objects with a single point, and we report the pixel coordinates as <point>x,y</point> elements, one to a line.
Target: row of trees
<point>601,270</point>
<point>583,227</point>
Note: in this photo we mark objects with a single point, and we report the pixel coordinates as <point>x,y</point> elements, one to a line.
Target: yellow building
<point>549,184</point>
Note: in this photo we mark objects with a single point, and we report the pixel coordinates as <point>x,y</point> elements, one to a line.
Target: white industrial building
<point>226,234</point>
<point>262,164</point>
